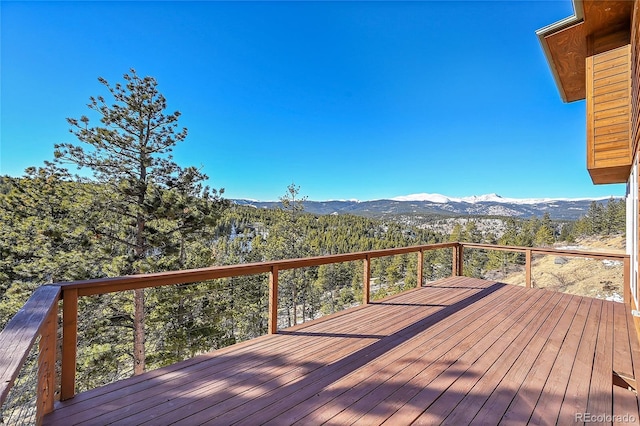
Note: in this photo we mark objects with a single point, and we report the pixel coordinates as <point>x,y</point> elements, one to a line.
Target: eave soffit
<point>565,42</point>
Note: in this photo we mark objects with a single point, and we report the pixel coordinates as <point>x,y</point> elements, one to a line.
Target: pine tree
<point>129,154</point>
<point>287,240</point>
<point>43,238</point>
<point>544,235</point>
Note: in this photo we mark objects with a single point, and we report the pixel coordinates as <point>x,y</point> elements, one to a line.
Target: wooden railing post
<point>527,279</point>
<point>273,300</point>
<point>457,266</point>
<point>69,343</point>
<point>420,268</point>
<point>47,364</point>
<point>454,261</point>
<point>366,280</point>
<point>626,281</point>
<point>38,318</point>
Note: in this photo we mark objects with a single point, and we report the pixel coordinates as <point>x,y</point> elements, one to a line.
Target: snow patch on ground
<point>615,297</point>
<point>571,248</point>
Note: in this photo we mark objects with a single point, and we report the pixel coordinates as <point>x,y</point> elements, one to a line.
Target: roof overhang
<point>565,43</point>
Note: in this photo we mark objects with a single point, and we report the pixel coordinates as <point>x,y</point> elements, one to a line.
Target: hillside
<point>584,277</point>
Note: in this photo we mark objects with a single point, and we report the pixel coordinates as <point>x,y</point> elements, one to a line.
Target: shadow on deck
<point>459,351</point>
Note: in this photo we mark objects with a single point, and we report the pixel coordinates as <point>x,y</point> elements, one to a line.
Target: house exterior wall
<point>595,55</point>
<point>608,94</point>
<point>632,228</point>
<point>635,77</point>
<point>633,192</point>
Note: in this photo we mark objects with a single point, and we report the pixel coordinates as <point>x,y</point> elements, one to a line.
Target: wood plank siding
<point>458,351</point>
<point>635,78</point>
<point>609,148</point>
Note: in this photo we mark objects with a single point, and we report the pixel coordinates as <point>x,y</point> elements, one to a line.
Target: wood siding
<point>635,78</point>
<point>609,150</point>
<point>633,190</point>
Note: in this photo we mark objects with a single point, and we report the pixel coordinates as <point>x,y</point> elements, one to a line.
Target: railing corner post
<point>457,266</point>
<point>528,268</point>
<point>626,281</point>
<point>69,343</point>
<point>46,364</point>
<point>273,300</point>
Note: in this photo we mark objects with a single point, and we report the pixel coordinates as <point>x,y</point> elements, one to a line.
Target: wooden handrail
<point>549,251</point>
<point>132,282</point>
<point>38,317</point>
<point>529,251</point>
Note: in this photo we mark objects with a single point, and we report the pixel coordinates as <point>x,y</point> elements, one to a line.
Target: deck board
<point>577,393</point>
<point>347,345</point>
<point>524,402</point>
<point>600,390</point>
<point>478,383</point>
<point>432,382</point>
<point>513,381</point>
<point>457,351</point>
<point>443,348</point>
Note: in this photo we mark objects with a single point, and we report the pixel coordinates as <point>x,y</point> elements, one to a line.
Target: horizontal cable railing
<point>39,316</point>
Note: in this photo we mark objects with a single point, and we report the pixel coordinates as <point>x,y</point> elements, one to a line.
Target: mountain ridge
<point>437,204</point>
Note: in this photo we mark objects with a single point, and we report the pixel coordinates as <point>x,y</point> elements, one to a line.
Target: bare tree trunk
<point>138,300</point>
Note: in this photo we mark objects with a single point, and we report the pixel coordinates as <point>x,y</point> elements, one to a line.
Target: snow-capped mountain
<point>480,205</point>
<point>486,198</point>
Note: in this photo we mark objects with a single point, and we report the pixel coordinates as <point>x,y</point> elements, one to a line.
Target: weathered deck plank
<point>577,393</point>
<point>461,350</point>
<point>429,384</point>
<point>443,348</point>
<point>513,381</point>
<point>469,393</point>
<point>601,386</point>
<point>524,403</point>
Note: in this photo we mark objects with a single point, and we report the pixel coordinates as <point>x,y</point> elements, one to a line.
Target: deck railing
<point>39,316</point>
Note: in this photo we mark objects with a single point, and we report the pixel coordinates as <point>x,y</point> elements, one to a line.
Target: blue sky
<point>362,100</point>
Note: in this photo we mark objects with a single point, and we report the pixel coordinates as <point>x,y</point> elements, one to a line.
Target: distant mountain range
<point>437,204</point>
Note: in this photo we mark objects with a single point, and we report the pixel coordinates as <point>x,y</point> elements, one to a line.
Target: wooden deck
<point>460,351</point>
